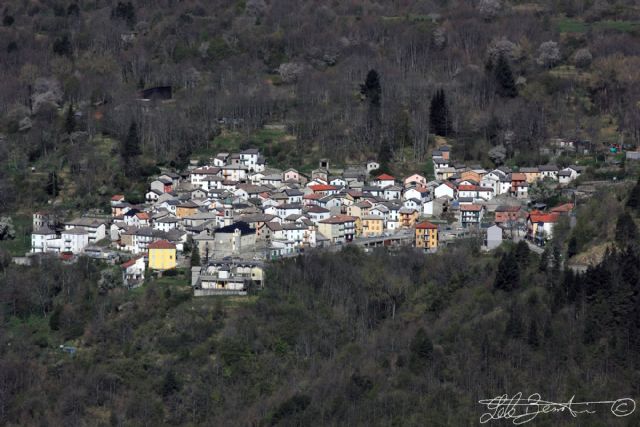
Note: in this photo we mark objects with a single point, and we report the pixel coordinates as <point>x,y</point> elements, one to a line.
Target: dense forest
<point>334,339</point>
<point>345,80</point>
<point>347,338</point>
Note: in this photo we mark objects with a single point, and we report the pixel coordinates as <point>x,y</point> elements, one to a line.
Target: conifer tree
<point>522,253</point>
<point>626,229</point>
<point>371,88</point>
<point>514,328</point>
<point>130,150</point>
<point>508,274</point>
<point>53,188</point>
<point>421,349</point>
<point>70,121</point>
<point>572,247</point>
<point>634,198</point>
<point>504,78</point>
<point>440,122</point>
<point>195,256</point>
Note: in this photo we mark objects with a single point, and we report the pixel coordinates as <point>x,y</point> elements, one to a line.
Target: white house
<point>445,189</point>
<point>548,171</point>
<point>95,227</point>
<point>199,175</point>
<point>249,158</point>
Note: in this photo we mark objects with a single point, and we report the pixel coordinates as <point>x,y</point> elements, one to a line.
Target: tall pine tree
<point>508,274</point>
<point>371,88</point>
<point>504,78</point>
<point>130,150</point>
<point>633,201</point>
<point>439,120</point>
<point>372,91</point>
<point>626,230</point>
<point>70,121</point>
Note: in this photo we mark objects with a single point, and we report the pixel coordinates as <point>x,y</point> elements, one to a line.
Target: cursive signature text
<point>522,410</point>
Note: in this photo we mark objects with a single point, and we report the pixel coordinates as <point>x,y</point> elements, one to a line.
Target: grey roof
<point>44,231</point>
<point>76,231</point>
<point>86,222</point>
<point>250,151</point>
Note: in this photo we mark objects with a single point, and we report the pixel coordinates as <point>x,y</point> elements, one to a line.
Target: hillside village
<point>235,212</point>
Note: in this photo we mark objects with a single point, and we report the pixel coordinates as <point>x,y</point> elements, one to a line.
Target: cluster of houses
<point>237,212</point>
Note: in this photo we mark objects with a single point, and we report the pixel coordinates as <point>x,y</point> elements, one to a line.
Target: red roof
<point>117,197</point>
<point>426,225</point>
<point>473,208</point>
<point>537,216</point>
<point>467,188</point>
<point>516,176</point>
<point>567,207</point>
<point>312,196</point>
<point>162,244</point>
<point>322,187</point>
<point>385,177</point>
<point>130,262</point>
<point>142,215</point>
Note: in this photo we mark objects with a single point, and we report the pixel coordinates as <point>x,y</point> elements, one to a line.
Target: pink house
<point>291,175</point>
<point>415,179</point>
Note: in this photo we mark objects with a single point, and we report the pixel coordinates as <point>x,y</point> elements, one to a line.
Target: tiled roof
<point>472,208</point>
<point>162,244</point>
<point>426,225</point>
<point>537,216</point>
<point>385,177</point>
<point>322,187</point>
<point>338,219</point>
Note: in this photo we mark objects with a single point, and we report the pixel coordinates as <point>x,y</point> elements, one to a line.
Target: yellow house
<point>531,174</point>
<point>186,209</point>
<point>426,235</point>
<point>372,225</point>
<point>162,255</point>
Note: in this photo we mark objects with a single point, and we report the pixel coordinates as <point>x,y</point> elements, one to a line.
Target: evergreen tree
<point>439,120</point>
<point>53,188</point>
<point>130,150</point>
<point>170,384</point>
<point>70,121</point>
<point>514,328</point>
<point>626,229</point>
<point>634,197</point>
<point>421,349</point>
<point>126,12</point>
<point>508,274</point>
<point>504,78</point>
<point>522,253</point>
<point>556,260</point>
<point>63,46</point>
<point>544,260</point>
<point>195,256</point>
<point>371,88</point>
<point>572,247</point>
<point>384,157</point>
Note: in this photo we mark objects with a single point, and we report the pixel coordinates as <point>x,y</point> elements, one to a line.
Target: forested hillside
<point>335,339</point>
<point>507,75</point>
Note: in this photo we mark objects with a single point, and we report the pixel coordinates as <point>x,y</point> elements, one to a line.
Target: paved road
<point>534,248</point>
